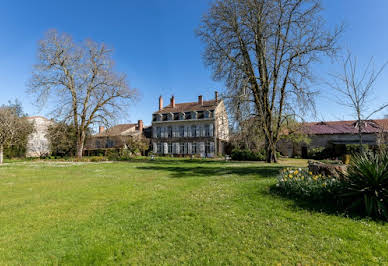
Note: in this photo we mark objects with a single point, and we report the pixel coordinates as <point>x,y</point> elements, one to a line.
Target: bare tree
<point>13,129</point>
<point>264,50</point>
<point>80,82</point>
<point>356,90</point>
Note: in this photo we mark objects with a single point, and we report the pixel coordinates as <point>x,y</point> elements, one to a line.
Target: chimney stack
<point>101,129</point>
<point>140,125</point>
<point>160,102</point>
<point>216,96</point>
<point>172,102</point>
<point>200,100</point>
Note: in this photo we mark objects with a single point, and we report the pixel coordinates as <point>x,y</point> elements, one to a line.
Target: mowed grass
<point>170,212</point>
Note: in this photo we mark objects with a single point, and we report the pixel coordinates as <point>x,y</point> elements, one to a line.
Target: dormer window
<point>157,117</point>
<point>207,114</point>
<point>194,115</point>
<point>181,116</point>
<point>170,116</point>
<point>187,115</point>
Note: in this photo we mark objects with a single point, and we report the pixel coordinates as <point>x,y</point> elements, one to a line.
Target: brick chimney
<point>200,100</point>
<point>101,129</point>
<point>160,102</point>
<point>216,96</point>
<point>140,125</point>
<point>172,101</point>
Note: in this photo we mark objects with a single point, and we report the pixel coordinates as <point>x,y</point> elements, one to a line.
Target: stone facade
<point>114,137</point>
<point>185,129</point>
<point>38,143</point>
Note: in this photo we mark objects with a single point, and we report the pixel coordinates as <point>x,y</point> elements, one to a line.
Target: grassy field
<point>170,212</point>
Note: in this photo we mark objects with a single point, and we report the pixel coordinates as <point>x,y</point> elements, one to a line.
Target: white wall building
<point>38,144</point>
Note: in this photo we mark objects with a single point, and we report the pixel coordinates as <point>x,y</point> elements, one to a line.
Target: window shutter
<point>197,131</point>
<point>202,147</point>
<point>211,130</point>
<point>177,148</point>
<point>155,147</point>
<point>154,132</point>
<point>165,148</point>
<point>189,148</point>
<point>185,132</point>
<point>189,131</point>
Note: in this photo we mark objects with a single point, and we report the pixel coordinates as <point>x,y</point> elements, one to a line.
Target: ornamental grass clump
<point>302,184</point>
<point>365,187</point>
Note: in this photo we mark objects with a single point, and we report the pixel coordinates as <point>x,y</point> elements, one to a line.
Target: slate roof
<point>345,127</point>
<point>115,130</point>
<point>188,107</point>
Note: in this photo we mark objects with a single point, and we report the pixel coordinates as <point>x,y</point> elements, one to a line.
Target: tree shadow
<point>187,170</point>
<point>332,206</point>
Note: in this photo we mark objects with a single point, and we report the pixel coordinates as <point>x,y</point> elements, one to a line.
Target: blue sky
<point>155,45</point>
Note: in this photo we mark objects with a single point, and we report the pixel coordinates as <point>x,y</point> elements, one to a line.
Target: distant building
<point>114,138</point>
<point>38,143</point>
<point>336,134</point>
<point>192,128</point>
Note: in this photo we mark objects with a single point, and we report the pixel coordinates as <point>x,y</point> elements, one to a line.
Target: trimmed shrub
<point>365,188</point>
<point>246,155</point>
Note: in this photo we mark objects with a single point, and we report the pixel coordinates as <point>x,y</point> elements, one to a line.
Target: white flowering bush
<point>303,184</point>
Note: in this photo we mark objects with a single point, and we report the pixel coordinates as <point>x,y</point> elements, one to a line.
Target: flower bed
<point>302,183</point>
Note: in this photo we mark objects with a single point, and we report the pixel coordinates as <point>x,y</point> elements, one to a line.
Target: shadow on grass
<point>332,206</point>
<point>185,171</point>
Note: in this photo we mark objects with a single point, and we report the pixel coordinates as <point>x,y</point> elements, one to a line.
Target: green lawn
<point>170,212</point>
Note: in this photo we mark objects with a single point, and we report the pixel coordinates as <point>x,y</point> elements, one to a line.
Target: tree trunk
<point>1,153</point>
<point>80,145</point>
<point>270,152</point>
<point>360,133</point>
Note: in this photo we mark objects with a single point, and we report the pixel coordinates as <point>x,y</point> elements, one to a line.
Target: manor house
<point>192,128</point>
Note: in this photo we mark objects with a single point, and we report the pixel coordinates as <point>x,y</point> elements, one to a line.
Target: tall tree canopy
<point>14,127</point>
<point>264,50</point>
<point>80,82</point>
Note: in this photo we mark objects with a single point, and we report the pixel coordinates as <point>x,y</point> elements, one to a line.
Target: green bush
<point>365,188</point>
<point>247,155</point>
<point>120,155</point>
<point>321,153</point>
<point>301,184</point>
<point>355,148</point>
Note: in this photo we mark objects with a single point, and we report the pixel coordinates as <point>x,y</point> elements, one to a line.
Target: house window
<point>206,115</point>
<point>182,147</point>
<point>181,131</point>
<point>169,132</point>
<point>158,132</point>
<point>194,148</point>
<point>193,130</point>
<point>207,147</point>
<point>159,148</point>
<point>170,148</point>
<point>207,130</point>
<point>109,143</point>
<point>182,116</point>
